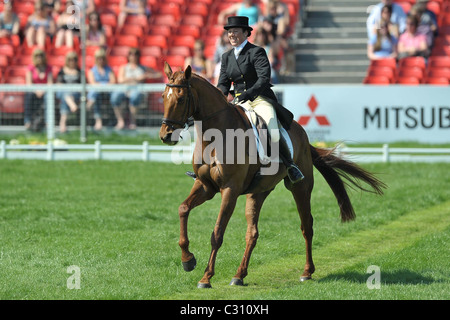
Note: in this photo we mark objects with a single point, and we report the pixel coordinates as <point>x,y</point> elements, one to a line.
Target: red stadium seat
<point>409,72</point>
<point>176,62</point>
<point>149,61</point>
<point>179,51</point>
<point>138,20</point>
<point>183,41</point>
<point>169,8</point>
<point>193,19</point>
<point>439,62</point>
<point>12,102</point>
<point>382,71</point>
<point>117,61</point>
<point>7,50</point>
<point>109,19</point>
<point>439,72</point>
<point>437,81</point>
<point>435,7</point>
<point>165,31</point>
<point>376,80</point>
<point>189,30</point>
<point>154,51</point>
<point>119,51</point>
<point>22,60</point>
<point>126,40</point>
<point>131,29</point>
<point>57,61</point>
<point>408,80</point>
<point>167,20</point>
<point>155,40</point>
<point>16,72</point>
<point>418,62</point>
<point>198,8</point>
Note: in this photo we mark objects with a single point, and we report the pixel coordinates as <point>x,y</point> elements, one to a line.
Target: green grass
<point>118,221</point>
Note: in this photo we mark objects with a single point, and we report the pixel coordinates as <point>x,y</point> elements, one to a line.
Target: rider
<point>247,67</point>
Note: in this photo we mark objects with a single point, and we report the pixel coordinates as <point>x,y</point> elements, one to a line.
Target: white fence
<point>183,154</point>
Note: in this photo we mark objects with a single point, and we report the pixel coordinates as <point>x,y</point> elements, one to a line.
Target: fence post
<point>98,150</point>
<point>145,151</point>
<point>50,97</point>
<point>386,153</point>
<point>50,154</point>
<point>2,149</point>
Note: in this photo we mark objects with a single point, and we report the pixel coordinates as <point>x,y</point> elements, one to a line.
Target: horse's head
<point>178,104</point>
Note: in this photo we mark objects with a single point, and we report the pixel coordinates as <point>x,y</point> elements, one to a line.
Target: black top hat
<point>237,22</point>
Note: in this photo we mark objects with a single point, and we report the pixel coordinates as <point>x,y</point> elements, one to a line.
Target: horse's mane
<point>213,88</point>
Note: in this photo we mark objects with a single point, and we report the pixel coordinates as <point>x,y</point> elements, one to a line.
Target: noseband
<point>183,124</point>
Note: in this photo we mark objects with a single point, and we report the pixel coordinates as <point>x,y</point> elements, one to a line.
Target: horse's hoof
<point>236,282</point>
<point>189,265</point>
<point>202,285</point>
<point>305,278</point>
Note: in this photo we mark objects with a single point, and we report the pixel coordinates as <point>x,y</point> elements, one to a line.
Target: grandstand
<point>168,34</point>
<point>331,47</point>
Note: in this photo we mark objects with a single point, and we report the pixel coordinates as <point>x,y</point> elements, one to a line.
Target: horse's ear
<point>167,70</point>
<point>188,72</point>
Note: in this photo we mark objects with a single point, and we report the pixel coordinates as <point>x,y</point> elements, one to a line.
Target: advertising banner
<point>362,113</point>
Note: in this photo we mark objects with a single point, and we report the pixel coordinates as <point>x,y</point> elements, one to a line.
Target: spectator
<point>88,4</point>
<point>386,15</point>
<point>199,63</point>
<point>223,45</point>
<point>100,73</point>
<point>131,73</point>
<point>277,13</point>
<point>68,27</point>
<point>52,7</point>
<point>35,102</point>
<point>131,7</point>
<point>262,39</point>
<point>246,8</point>
<point>411,43</point>
<point>95,34</point>
<point>382,44</point>
<point>9,21</point>
<point>398,16</point>
<point>40,25</point>
<point>427,21</point>
<point>70,73</point>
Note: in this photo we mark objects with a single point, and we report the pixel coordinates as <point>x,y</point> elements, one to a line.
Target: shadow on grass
<point>402,276</point>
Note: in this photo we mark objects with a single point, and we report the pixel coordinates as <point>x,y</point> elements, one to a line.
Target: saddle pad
<point>253,118</point>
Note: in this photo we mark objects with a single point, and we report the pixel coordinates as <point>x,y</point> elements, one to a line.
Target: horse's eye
<point>180,99</point>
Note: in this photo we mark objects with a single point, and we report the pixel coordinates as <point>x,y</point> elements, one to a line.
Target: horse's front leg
<point>252,210</point>
<point>229,198</point>
<point>199,194</point>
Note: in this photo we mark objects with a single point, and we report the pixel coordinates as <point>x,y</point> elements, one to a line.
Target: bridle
<point>186,123</point>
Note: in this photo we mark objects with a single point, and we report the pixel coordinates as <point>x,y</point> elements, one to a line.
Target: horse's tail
<point>333,168</point>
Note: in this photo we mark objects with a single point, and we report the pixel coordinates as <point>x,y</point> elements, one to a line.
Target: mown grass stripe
<point>355,248</point>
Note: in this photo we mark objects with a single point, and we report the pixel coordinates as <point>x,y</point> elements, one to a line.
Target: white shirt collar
<point>238,49</point>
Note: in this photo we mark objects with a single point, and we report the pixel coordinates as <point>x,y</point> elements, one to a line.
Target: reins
<point>187,123</point>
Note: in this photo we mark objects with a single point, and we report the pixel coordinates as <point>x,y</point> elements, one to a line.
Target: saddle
<point>262,135</point>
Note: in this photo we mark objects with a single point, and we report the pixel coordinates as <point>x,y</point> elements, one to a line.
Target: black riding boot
<point>294,173</point>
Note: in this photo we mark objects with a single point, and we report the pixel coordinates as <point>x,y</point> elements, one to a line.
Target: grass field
<point>118,222</point>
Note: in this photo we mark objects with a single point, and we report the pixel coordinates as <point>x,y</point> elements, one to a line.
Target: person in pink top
<point>38,73</point>
<point>411,43</point>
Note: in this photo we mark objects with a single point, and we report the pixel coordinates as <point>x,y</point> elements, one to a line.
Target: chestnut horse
<point>189,95</point>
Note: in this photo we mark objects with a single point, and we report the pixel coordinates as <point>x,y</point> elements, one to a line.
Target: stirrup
<point>294,173</point>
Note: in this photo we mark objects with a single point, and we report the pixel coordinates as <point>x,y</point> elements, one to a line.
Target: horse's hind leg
<point>252,210</point>
<point>302,195</point>
<point>199,194</point>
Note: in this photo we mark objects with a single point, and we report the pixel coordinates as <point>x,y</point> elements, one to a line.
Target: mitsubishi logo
<point>321,119</point>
